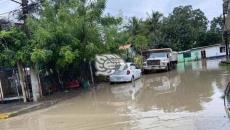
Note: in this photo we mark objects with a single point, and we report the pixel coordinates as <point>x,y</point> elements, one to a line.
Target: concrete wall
<point>195,55</point>
<point>180,57</point>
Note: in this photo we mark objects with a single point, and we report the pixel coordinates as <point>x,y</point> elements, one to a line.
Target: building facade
<point>226,16</point>
<point>212,51</point>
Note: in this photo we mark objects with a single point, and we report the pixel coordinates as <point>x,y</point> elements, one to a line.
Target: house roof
<point>158,50</point>
<point>124,47</point>
<point>197,48</point>
<point>203,47</point>
<point>184,51</point>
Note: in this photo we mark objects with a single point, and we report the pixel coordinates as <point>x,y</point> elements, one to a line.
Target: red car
<point>73,84</point>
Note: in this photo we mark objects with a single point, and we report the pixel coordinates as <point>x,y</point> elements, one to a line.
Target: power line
<point>16,2</point>
<point>18,8</point>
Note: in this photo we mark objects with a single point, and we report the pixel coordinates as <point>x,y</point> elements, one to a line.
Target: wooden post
<point>22,80</point>
<point>1,92</point>
<point>91,72</point>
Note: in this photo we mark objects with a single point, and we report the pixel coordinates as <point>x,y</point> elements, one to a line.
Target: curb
<point>4,116</point>
<point>30,108</point>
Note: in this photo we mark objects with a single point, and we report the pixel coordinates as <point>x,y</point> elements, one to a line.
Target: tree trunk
<point>91,72</point>
<point>227,47</point>
<point>60,80</point>
<point>35,84</point>
<point>22,80</point>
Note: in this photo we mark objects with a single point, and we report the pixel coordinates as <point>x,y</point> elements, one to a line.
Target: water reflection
<point>184,91</point>
<point>176,91</point>
<point>161,84</point>
<point>127,91</point>
<point>170,94</point>
<point>188,97</point>
<point>201,65</point>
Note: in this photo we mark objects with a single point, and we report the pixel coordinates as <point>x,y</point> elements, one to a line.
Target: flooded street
<point>188,98</point>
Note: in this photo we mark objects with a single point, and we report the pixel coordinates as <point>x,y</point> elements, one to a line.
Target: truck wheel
<point>168,67</point>
<point>145,72</point>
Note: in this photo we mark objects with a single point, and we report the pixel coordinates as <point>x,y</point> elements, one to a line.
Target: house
<point>205,52</point>
<point>130,51</point>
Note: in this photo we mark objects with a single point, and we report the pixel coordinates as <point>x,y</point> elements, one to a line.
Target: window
<point>187,54</point>
<point>156,55</point>
<point>222,49</point>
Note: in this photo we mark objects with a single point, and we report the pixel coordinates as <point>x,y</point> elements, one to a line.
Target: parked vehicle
<point>73,84</point>
<point>129,73</point>
<point>160,59</point>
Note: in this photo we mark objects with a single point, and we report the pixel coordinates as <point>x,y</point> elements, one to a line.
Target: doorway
<point>203,54</point>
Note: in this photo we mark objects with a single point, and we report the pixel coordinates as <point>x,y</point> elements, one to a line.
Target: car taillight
<point>128,72</point>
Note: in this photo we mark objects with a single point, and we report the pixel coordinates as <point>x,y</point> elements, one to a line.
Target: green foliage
<point>40,55</point>
<point>217,25</point>
<point>71,30</point>
<point>67,56</point>
<point>138,60</point>
<point>183,29</point>
<point>14,46</point>
<point>140,43</point>
<point>68,31</point>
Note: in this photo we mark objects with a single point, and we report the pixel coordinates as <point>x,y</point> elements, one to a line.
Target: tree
<point>134,28</point>
<point>69,32</point>
<point>183,26</point>
<point>153,29</point>
<point>15,50</point>
<point>140,43</point>
<point>217,25</point>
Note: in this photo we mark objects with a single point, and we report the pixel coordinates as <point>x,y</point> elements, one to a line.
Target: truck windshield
<point>154,55</point>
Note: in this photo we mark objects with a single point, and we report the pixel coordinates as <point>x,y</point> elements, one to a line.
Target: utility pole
<point>226,21</point>
<point>24,7</point>
<point>36,90</point>
<point>25,13</point>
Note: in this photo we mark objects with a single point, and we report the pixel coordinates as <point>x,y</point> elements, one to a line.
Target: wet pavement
<point>189,98</point>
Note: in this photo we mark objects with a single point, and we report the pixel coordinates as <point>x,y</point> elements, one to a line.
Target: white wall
<point>214,52</point>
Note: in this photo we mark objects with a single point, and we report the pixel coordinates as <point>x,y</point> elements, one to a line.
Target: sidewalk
<point>15,108</point>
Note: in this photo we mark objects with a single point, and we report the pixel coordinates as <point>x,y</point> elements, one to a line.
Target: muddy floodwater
<point>188,98</point>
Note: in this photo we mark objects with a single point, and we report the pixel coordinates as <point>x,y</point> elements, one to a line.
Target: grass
<point>225,63</point>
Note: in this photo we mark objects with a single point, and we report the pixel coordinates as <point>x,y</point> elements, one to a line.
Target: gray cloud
<point>139,8</point>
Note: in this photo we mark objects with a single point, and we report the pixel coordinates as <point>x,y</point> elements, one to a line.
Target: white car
<point>130,73</point>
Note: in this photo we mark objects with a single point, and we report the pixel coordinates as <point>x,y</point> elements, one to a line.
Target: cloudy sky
<point>212,8</point>
<point>139,8</point>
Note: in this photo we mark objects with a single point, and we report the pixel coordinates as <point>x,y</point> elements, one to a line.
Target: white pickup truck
<point>159,59</point>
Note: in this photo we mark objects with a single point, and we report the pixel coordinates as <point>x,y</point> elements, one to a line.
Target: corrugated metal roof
<point>207,46</point>
<point>158,50</point>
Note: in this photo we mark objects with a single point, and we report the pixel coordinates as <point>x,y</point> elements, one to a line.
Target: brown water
<point>189,98</point>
